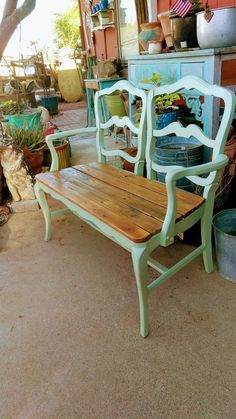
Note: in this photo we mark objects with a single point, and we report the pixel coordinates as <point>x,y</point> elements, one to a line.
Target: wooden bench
<point>141,214</point>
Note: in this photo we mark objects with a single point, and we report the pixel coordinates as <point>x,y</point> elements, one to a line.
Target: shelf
<point>102,27</point>
<point>101,11</point>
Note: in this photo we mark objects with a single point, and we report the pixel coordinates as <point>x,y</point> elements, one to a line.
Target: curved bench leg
<point>40,195</point>
<point>206,232</point>
<point>139,257</point>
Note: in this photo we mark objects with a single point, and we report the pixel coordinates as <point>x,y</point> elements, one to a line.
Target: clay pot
<point>151,31</point>
<point>34,159</point>
<point>166,27</point>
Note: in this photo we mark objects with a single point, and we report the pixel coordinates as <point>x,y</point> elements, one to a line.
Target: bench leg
<point>40,195</point>
<point>206,232</point>
<point>139,257</point>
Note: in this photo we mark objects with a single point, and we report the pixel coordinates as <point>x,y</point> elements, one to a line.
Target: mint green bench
<point>140,213</point>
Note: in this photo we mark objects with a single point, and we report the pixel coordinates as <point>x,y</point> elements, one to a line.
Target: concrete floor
<point>70,343</point>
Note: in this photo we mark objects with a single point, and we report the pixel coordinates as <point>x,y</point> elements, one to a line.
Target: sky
<point>38,26</point>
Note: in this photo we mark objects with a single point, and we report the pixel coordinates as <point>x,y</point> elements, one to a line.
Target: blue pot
<point>103,4</point>
<point>165,119</point>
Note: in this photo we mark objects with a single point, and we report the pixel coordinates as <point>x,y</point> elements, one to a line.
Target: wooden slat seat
<point>132,205</point>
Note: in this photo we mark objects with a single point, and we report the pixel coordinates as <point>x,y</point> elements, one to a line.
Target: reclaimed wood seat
<point>132,205</point>
<point>137,213</point>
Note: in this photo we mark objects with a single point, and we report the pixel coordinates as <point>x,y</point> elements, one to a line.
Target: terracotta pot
<point>166,27</point>
<point>150,31</point>
<point>34,159</point>
<point>62,149</point>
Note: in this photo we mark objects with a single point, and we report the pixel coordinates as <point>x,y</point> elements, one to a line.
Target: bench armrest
<point>61,134</point>
<point>177,172</point>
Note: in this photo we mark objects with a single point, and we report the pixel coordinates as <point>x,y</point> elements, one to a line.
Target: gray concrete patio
<point>70,344</point>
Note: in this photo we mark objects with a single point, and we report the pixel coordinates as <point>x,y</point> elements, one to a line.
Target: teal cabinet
<point>207,64</point>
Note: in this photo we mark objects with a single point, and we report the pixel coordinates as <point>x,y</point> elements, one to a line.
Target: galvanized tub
<point>224,224</point>
<point>180,151</point>
<point>220,31</point>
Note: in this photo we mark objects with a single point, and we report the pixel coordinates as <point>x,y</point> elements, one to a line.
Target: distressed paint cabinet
<point>216,66</point>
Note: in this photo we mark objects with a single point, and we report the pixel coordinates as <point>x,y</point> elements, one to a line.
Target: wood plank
<point>112,199</point>
<point>154,210</point>
<point>134,210</point>
<point>152,190</point>
<point>153,185</point>
<point>84,200</point>
<point>76,181</point>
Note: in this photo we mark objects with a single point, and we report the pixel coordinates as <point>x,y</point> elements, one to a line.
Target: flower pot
<point>150,31</point>
<point>167,118</point>
<point>166,27</point>
<point>50,102</point>
<point>25,120</point>
<point>154,47</point>
<point>62,149</point>
<point>34,159</point>
<point>103,4</point>
<point>220,31</point>
<point>115,105</point>
<point>184,31</point>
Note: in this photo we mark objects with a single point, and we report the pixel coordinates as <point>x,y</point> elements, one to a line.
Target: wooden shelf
<point>102,19</point>
<point>102,27</point>
<point>101,11</point>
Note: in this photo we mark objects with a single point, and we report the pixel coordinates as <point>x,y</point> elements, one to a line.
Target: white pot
<point>154,47</point>
<point>220,32</point>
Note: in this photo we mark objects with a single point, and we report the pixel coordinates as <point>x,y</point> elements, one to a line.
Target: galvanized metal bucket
<point>224,224</point>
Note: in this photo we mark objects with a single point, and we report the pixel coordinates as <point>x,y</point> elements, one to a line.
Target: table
<point>92,85</point>
<point>216,66</point>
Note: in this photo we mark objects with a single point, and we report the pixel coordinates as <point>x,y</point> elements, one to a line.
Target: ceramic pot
<point>219,31</point>
<point>184,31</point>
<point>149,32</point>
<point>154,47</point>
<point>103,4</point>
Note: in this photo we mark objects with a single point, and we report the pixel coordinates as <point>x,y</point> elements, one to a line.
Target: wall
<point>164,5</point>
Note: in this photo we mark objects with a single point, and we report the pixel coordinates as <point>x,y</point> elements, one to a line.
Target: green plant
<point>32,139</point>
<point>196,6</point>
<point>11,107</point>
<point>163,103</point>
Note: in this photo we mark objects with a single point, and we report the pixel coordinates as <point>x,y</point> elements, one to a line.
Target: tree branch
<point>23,11</point>
<point>9,8</point>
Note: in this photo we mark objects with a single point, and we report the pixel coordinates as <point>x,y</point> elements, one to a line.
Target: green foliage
<point>67,28</point>
<point>163,102</point>
<point>196,5</point>
<point>33,139</point>
<point>11,107</point>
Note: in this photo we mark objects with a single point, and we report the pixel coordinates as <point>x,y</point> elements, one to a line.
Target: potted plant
<point>31,141</point>
<point>184,28</point>
<point>17,114</point>
<point>165,108</point>
<point>49,101</point>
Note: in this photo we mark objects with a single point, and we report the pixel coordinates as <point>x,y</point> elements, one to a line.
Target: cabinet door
<point>140,72</point>
<point>192,69</point>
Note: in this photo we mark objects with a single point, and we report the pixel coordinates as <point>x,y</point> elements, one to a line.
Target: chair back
<point>196,86</point>
<point>121,120</point>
